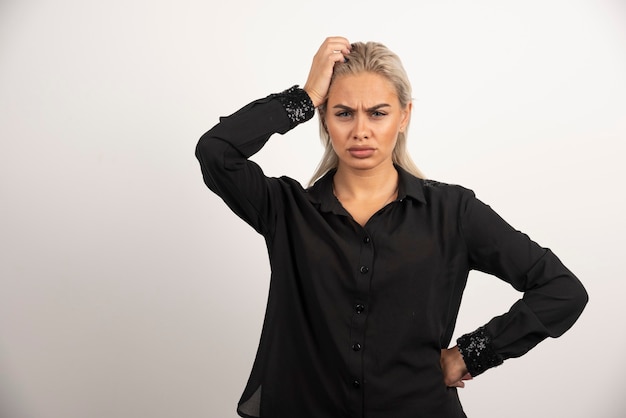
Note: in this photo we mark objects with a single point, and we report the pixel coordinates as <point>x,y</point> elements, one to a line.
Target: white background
<point>128,290</point>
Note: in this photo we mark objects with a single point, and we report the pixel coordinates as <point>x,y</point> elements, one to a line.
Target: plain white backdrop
<point>128,290</point>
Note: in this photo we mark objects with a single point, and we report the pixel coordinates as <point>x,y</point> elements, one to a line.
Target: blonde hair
<point>375,58</point>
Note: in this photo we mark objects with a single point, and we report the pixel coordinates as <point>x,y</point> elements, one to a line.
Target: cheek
<point>335,132</point>
<point>390,134</point>
<point>334,143</point>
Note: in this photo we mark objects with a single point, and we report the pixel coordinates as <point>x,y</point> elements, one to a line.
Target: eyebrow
<point>371,109</point>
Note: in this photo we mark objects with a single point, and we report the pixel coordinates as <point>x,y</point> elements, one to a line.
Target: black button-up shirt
<point>357,316</point>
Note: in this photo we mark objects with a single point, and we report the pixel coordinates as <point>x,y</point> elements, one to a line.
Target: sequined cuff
<point>297,104</point>
<point>478,352</point>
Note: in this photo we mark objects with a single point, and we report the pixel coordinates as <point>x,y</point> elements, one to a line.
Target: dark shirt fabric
<point>357,316</point>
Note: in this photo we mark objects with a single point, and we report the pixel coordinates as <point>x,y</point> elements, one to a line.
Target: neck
<point>363,185</point>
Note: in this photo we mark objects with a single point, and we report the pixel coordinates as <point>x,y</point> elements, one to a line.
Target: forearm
<point>224,150</point>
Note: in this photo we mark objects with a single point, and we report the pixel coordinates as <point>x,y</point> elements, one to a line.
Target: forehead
<point>364,88</point>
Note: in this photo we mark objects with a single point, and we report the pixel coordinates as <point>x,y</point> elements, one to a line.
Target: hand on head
<point>332,50</point>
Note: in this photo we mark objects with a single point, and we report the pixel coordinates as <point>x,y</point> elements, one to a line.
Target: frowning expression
<point>364,117</point>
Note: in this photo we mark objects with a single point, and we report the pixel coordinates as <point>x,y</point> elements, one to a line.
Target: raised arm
<point>224,150</point>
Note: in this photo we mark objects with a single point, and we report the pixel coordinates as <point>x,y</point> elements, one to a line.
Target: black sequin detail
<point>297,104</point>
<point>478,352</point>
<point>433,183</point>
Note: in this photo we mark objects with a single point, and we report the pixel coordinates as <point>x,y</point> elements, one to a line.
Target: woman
<point>370,262</point>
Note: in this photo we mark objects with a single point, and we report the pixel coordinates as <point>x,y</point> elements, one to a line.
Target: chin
<point>363,164</point>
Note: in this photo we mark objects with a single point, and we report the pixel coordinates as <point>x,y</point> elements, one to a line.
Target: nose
<point>361,128</point>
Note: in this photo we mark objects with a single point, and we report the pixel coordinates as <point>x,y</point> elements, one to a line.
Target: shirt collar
<point>321,193</point>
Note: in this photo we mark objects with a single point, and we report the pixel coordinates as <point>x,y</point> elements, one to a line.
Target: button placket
<point>357,333</point>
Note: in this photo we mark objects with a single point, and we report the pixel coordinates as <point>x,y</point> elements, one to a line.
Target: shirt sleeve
<point>553,297</point>
<point>224,150</point>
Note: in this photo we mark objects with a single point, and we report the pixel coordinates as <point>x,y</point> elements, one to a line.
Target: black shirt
<point>357,316</point>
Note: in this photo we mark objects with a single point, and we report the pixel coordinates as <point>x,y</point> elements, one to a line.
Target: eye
<point>343,114</point>
<point>378,114</point>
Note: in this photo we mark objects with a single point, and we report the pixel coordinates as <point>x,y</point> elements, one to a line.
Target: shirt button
<point>356,347</point>
<point>364,269</point>
<point>366,240</point>
<point>356,384</point>
<point>359,308</point>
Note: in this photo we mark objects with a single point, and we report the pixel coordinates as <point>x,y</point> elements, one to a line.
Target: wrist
<point>316,99</point>
<point>297,104</point>
<point>478,352</point>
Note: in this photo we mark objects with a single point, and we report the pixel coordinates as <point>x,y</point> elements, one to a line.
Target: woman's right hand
<point>331,51</point>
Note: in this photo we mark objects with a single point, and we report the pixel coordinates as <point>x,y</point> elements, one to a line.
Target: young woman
<point>370,262</point>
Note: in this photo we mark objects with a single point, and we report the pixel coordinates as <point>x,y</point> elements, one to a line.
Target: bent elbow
<point>210,152</point>
<point>580,298</point>
<point>558,303</point>
<point>573,299</point>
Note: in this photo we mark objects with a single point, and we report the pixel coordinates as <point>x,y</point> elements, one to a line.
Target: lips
<point>361,152</point>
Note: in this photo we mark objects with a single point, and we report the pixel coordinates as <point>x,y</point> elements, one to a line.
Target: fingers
<point>336,50</point>
<point>336,44</point>
<point>460,383</point>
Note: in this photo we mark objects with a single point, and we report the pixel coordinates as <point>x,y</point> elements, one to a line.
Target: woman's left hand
<point>453,368</point>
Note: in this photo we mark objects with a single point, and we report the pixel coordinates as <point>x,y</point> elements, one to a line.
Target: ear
<point>406,116</point>
<point>322,115</point>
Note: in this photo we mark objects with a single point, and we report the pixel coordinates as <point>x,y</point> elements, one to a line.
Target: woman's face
<point>363,118</point>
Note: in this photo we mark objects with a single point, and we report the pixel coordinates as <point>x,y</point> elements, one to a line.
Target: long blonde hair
<point>375,58</point>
